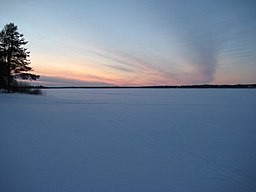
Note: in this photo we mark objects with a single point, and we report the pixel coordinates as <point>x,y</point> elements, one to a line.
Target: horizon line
<point>150,86</point>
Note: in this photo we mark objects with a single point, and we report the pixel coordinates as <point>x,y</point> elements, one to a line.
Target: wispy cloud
<point>119,68</point>
<point>60,81</point>
<point>208,29</point>
<point>145,70</point>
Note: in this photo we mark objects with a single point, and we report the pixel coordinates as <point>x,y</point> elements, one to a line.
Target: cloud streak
<point>135,69</point>
<point>204,36</point>
<point>60,81</point>
<point>205,28</point>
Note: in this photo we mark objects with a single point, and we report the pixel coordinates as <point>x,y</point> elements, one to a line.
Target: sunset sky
<point>137,42</point>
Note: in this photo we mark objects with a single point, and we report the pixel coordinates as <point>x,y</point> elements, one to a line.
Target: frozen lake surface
<point>129,140</point>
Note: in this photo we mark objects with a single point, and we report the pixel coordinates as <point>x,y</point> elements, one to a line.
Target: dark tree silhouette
<point>14,62</point>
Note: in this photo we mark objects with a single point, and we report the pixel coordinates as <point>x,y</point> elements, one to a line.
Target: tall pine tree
<point>14,62</point>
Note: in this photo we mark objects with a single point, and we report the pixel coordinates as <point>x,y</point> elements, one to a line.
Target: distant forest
<point>205,86</point>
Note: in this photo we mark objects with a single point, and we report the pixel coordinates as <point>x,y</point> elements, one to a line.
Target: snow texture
<point>130,140</point>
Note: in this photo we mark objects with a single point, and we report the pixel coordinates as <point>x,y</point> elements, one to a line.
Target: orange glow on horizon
<point>95,72</point>
<point>101,77</point>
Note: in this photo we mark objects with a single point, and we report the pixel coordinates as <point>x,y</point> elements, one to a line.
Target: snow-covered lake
<point>159,140</point>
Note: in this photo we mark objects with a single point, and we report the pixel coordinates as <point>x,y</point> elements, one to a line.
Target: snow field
<point>129,140</point>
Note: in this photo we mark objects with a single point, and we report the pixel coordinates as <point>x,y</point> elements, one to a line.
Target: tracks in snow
<point>190,154</point>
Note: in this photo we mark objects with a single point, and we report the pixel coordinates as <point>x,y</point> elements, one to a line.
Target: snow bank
<point>128,140</point>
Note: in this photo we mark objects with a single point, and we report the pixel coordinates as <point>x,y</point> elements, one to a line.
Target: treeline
<point>205,86</point>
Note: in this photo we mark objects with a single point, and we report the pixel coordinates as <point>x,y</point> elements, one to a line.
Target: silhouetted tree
<point>14,62</point>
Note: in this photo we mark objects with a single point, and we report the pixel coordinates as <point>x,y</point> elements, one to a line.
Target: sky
<point>137,42</point>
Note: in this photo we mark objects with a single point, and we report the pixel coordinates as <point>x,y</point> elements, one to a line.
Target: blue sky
<point>138,42</point>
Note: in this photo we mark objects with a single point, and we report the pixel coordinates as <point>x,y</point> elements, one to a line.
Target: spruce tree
<point>14,62</point>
